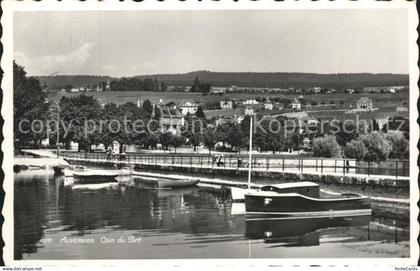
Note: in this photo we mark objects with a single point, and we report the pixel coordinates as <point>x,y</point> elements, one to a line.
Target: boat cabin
<point>309,189</point>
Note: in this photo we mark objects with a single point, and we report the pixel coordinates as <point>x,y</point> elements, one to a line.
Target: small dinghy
<point>302,199</point>
<point>82,175</point>
<point>177,183</point>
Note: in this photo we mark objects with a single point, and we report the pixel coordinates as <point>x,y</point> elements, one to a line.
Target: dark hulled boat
<point>302,199</point>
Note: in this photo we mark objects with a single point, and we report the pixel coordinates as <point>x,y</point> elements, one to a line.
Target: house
<point>218,91</point>
<point>226,104</point>
<point>306,143</point>
<point>364,103</point>
<point>350,90</point>
<point>296,104</point>
<point>116,147</point>
<point>249,111</point>
<point>250,102</point>
<point>171,120</point>
<point>74,90</point>
<point>108,86</point>
<point>316,90</point>
<point>233,88</point>
<point>45,142</point>
<point>268,106</point>
<point>73,146</point>
<point>401,109</point>
<point>188,108</point>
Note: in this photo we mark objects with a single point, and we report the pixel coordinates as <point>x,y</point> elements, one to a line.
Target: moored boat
<point>238,194</point>
<point>177,183</point>
<point>82,175</point>
<point>302,199</point>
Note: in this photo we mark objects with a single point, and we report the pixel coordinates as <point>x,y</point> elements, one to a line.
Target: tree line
<point>367,143</point>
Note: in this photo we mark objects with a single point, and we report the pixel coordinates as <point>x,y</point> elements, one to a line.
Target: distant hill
<point>60,81</point>
<point>284,80</point>
<point>247,79</point>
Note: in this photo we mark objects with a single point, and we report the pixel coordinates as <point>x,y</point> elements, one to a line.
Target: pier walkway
<point>308,166</point>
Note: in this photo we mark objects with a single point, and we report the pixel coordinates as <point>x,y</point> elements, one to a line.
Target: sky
<point>128,43</point>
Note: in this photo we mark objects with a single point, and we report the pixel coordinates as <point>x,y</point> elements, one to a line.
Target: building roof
<point>364,100</point>
<point>168,112</point>
<point>188,104</point>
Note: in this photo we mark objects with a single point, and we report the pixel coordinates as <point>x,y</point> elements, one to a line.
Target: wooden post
<point>344,167</point>
<point>283,165</point>
<point>322,166</point>
<point>396,169</point>
<point>190,160</point>
<point>335,165</point>
<point>368,168</point>
<point>267,163</point>
<point>316,165</point>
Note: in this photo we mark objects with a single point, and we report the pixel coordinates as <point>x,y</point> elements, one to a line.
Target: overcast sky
<point>149,42</point>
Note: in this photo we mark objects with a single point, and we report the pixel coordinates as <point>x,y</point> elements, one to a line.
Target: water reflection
<point>297,232</point>
<point>173,223</point>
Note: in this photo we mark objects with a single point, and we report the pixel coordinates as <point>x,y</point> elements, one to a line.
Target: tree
<point>399,145</point>
<point>346,132</point>
<point>196,85</point>
<point>78,111</point>
<point>195,139</point>
<point>374,125</point>
<point>163,86</point>
<point>200,113</point>
<point>68,87</point>
<point>29,105</point>
<point>147,107</point>
<point>377,146</point>
<point>209,139</point>
<point>166,139</point>
<point>178,141</point>
<point>326,146</point>
<point>398,123</point>
<point>156,85</point>
<point>355,149</point>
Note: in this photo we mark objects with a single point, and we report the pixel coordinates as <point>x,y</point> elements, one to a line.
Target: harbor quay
<point>389,193</point>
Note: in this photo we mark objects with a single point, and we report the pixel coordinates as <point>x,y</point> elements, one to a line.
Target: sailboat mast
<point>250,153</point>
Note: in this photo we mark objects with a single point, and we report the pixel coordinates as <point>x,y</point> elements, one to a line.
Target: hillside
<point>283,80</point>
<point>247,79</point>
<point>60,81</point>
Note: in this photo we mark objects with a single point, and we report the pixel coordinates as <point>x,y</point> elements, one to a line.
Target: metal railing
<point>341,166</point>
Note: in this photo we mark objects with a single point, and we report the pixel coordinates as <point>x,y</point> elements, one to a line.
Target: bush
<point>377,146</point>
<point>399,145</point>
<point>326,146</point>
<point>355,149</point>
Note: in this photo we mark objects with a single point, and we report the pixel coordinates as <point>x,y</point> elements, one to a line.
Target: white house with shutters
<point>188,108</point>
<point>226,104</point>
<point>364,103</point>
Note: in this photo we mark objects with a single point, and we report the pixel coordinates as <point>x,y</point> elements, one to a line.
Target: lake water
<point>56,220</point>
